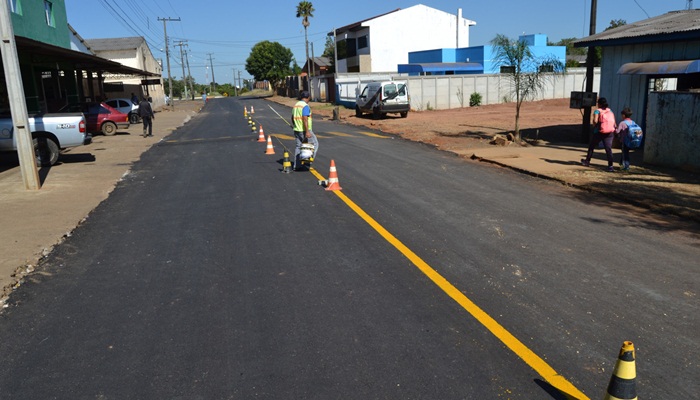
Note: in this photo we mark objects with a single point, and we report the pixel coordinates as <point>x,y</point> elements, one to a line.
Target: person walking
<point>626,130</point>
<point>604,128</point>
<point>302,123</point>
<point>147,116</point>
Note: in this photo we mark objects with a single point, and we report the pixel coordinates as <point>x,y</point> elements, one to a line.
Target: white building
<point>135,53</point>
<point>380,43</point>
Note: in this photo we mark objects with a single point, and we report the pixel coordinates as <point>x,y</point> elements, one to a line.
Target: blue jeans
<point>299,136</point>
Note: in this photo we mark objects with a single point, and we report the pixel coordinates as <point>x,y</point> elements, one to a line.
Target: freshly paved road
<point>210,274</point>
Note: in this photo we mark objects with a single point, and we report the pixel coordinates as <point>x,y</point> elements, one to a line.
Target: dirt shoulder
<point>551,129</point>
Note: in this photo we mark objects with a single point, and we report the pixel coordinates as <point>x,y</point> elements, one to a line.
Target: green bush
<point>475,99</point>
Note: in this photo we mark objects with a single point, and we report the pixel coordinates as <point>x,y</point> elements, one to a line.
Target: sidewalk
<point>35,221</point>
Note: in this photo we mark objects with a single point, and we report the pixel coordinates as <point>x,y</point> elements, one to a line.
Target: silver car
<point>127,107</point>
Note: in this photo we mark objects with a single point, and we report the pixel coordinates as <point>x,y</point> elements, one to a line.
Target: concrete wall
<point>672,132</point>
<point>440,92</point>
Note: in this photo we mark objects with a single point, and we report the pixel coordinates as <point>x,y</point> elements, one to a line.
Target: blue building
<point>472,60</point>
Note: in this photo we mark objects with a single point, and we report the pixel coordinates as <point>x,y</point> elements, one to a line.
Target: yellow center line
<point>371,134</point>
<point>341,134</point>
<point>522,351</point>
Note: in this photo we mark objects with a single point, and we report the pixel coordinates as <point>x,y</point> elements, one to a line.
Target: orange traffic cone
<point>270,149</point>
<point>245,112</point>
<point>252,110</point>
<point>333,183</point>
<point>623,385</point>
<point>261,136</point>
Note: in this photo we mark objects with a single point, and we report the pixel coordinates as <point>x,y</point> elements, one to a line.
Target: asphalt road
<point>209,274</point>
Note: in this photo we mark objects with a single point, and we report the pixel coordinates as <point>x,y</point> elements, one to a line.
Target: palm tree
<point>305,10</point>
<point>527,73</point>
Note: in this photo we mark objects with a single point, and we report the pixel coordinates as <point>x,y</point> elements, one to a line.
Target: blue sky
<point>228,29</point>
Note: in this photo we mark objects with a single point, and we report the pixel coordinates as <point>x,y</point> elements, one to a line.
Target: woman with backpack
<point>604,129</point>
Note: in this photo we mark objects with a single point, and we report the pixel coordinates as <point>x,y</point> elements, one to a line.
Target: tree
<point>527,73</point>
<point>305,11</point>
<point>329,51</point>
<point>269,61</point>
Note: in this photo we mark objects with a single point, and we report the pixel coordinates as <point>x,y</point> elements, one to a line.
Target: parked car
<point>51,133</point>
<point>127,107</point>
<point>100,117</point>
<point>381,98</point>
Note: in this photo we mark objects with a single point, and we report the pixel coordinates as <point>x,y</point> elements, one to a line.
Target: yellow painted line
<point>522,351</point>
<point>283,136</point>
<point>371,134</point>
<point>341,134</point>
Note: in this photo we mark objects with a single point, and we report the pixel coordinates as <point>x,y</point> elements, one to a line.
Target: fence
<point>440,92</point>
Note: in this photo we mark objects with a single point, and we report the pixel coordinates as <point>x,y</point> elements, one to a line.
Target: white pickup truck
<point>50,133</point>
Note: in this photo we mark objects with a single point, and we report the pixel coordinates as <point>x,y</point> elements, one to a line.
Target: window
<point>362,42</point>
<point>507,69</point>
<point>15,6</point>
<point>48,11</point>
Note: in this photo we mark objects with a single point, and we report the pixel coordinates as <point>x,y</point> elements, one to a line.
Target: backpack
<point>606,121</point>
<point>633,139</point>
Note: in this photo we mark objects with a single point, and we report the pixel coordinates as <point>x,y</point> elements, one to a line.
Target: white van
<point>381,98</point>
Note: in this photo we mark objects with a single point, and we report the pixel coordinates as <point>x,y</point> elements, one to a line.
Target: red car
<point>99,117</point>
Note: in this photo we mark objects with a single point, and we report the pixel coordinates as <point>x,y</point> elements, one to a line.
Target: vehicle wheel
<point>404,114</point>
<point>358,112</point>
<point>46,151</point>
<point>109,128</point>
<point>133,118</point>
<point>376,113</point>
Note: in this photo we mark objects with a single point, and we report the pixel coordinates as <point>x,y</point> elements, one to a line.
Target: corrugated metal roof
<point>127,43</point>
<point>675,22</point>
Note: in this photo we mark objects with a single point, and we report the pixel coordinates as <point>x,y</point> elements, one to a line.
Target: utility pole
<point>182,61</point>
<point>18,105</point>
<point>167,55</point>
<point>235,89</point>
<point>590,61</point>
<point>213,80</point>
<point>189,74</point>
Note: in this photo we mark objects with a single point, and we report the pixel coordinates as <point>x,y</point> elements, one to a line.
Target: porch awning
<point>79,60</point>
<point>661,68</point>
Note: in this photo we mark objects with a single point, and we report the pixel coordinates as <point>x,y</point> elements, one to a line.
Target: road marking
<point>341,134</point>
<point>374,135</point>
<point>283,136</point>
<point>515,345</point>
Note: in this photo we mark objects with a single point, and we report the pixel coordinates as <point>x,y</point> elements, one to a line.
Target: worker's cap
<point>304,95</point>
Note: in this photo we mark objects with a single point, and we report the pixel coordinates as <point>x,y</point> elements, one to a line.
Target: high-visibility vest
<point>297,117</point>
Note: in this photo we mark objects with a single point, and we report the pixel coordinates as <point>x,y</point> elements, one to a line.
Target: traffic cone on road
<point>270,149</point>
<point>333,183</point>
<point>245,112</point>
<point>623,384</point>
<point>286,162</point>
<point>261,136</point>
<point>252,110</point>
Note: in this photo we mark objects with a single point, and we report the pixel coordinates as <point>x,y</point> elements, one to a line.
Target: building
<point>135,53</point>
<point>380,43</point>
<point>653,67</point>
<point>53,72</point>
<point>473,60</point>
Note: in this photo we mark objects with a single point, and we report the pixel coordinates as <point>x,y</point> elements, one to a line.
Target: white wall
<point>441,92</point>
